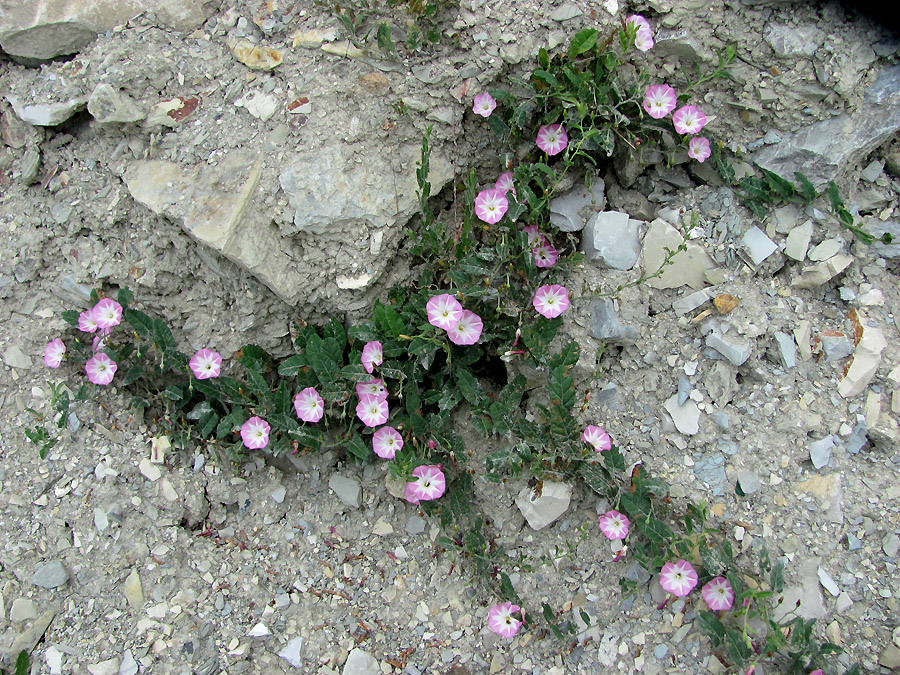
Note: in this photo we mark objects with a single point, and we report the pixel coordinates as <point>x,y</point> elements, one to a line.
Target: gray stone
<point>660,651</point>
<point>571,210</point>
<point>821,150</point>
<point>749,482</point>
<point>107,105</point>
<point>813,276</point>
<point>825,250</point>
<point>828,583</point>
<point>877,229</point>
<point>797,242</point>
<point>23,609</point>
<point>45,114</point>
<point>728,345</point>
<point>568,11</point>
<point>686,417</point>
<point>31,164</point>
<point>835,346</point>
<point>857,438</point>
<point>637,574</point>
<point>293,652</point>
<point>605,324</point>
<point>853,542</point>
<point>758,245</point>
<point>872,171</point>
<point>820,451</point>
<point>415,525</point>
<point>15,358</point>
<point>686,267</point>
<point>710,469</point>
<point>793,40</point>
<point>890,545</point>
<point>541,510</point>
<point>611,238</point>
<point>721,383</point>
<point>890,657</point>
<point>689,303</point>
<point>360,662</point>
<point>50,574</point>
<point>684,389</point>
<point>346,489</point>
<point>806,592</point>
<point>129,666</point>
<point>787,350</point>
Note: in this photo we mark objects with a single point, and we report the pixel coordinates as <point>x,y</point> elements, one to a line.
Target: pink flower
<point>100,369</point>
<point>643,39</point>
<point>505,183</point>
<point>444,311</point>
<point>54,352</point>
<point>552,139</point>
<point>719,595</point>
<point>205,364</point>
<point>372,355</point>
<point>597,437</point>
<point>87,322</point>
<point>107,313</point>
<point>255,433</point>
<point>817,671</point>
<point>689,119</point>
<point>614,525</point>
<point>99,341</point>
<point>502,621</point>
<point>490,205</point>
<point>373,411</point>
<point>374,388</point>
<point>468,330</point>
<point>698,148</point>
<point>309,406</point>
<point>551,301</point>
<point>534,236</point>
<point>387,442</point>
<point>638,22</point>
<point>429,484</point>
<point>410,493</point>
<point>678,578</point>
<point>484,104</point>
<point>545,255</point>
<point>660,100</point>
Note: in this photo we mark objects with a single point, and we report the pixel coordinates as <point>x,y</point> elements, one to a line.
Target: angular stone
<point>797,242</point>
<point>346,489</point>
<point>725,303</point>
<point>686,417</point>
<point>749,482</point>
<point>108,667</point>
<point>360,662</point>
<point>814,276</point>
<point>571,210</point>
<point>686,268</point>
<point>14,357</point>
<point>758,245</point>
<point>568,11</point>
<point>890,657</point>
<point>605,324</point>
<point>890,545</point>
<point>822,150</point>
<point>866,359</point>
<point>134,592</point>
<point>259,104</point>
<point>787,351</point>
<point>542,510</point>
<point>793,40</point>
<point>23,609</point>
<point>828,583</point>
<point>50,574</point>
<point>690,302</point>
<point>292,652</point>
<point>611,238</point>
<point>255,56</point>
<point>45,114</point>
<point>735,350</point>
<point>107,105</point>
<point>820,451</point>
<point>834,345</point>
<point>825,250</point>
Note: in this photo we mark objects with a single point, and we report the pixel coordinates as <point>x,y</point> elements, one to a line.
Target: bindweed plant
<point>470,341</point>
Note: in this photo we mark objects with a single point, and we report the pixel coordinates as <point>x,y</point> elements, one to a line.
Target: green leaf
<point>257,384</point>
<point>784,188</point>
<point>207,424</point>
<point>583,41</point>
<point>713,560</point>
<point>498,126</point>
<point>335,338</point>
<point>597,479</point>
<point>635,506</point>
<point>543,58</point>
<point>546,77</point>
<point>470,388</point>
<point>613,459</point>
<point>140,322</point>
<point>133,375</point>
<point>385,43</point>
<point>655,530</point>
<point>364,332</point>
<point>388,320</point>
<point>292,365</point>
<point>507,592</point>
<point>807,189</point>
<point>776,579</point>
<point>125,297</point>
<point>229,389</point>
<point>250,353</point>
<point>356,372</point>
<point>834,196</point>
<point>358,448</point>
<point>162,336</point>
<point>319,356</point>
<point>230,422</point>
<point>70,316</point>
<point>23,665</point>
<point>538,334</point>
<point>714,629</point>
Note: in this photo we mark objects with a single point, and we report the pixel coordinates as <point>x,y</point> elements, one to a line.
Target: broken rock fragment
<point>866,359</point>
<point>544,504</point>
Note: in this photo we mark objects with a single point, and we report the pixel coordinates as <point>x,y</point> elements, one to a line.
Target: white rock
<point>150,471</point>
<point>828,583</point>
<point>133,591</point>
<point>54,658</point>
<point>293,652</point>
<point>129,665</point>
<point>866,359</point>
<point>686,417</point>
<point>23,609</point>
<point>360,662</point>
<point>827,249</point>
<point>758,245</point>
<point>259,104</point>
<point>797,242</point>
<point>108,667</point>
<point>542,510</point>
<point>259,630</point>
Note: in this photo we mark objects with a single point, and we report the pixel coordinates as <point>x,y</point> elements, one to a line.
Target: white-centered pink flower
<point>552,139</point>
<point>698,148</point>
<point>678,578</point>
<point>430,483</point>
<point>309,406</point>
<point>614,525</point>
<point>484,104</point>
<point>638,22</point>
<point>490,205</point>
<point>551,301</point>
<point>545,255</point>
<point>505,183</point>
<point>372,355</point>
<point>87,322</point>
<point>718,594</point>
<point>205,364</point>
<point>689,119</point>
<point>100,369</point>
<point>444,311</point>
<point>501,619</point>
<point>534,236</point>
<point>255,433</point>
<point>597,437</point>
<point>468,330</point>
<point>374,388</point>
<point>373,411</point>
<point>54,352</point>
<point>387,442</point>
<point>643,39</point>
<point>107,313</point>
<point>660,100</point>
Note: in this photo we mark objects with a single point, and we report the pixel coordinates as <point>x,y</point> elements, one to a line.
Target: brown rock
<point>725,303</point>
<point>374,83</point>
<point>255,56</point>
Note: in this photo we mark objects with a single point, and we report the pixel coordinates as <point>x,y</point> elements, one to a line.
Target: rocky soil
<point>242,165</point>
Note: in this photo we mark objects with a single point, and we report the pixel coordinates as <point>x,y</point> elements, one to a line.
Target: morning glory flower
<point>54,352</point>
<point>205,364</point>
<point>597,437</point>
<point>309,406</point>
<point>468,330</point>
<point>689,119</point>
<point>545,255</point>
<point>372,355</point>
<point>87,322</point>
<point>255,433</point>
<point>444,311</point>
<point>490,205</point>
<point>698,148</point>
<point>373,411</point>
<point>552,139</point>
<point>614,525</point>
<point>719,595</point>
<point>374,388</point>
<point>551,301</point>
<point>678,578</point>
<point>100,369</point>
<point>387,442</point>
<point>430,484</point>
<point>501,619</point>
<point>484,104</point>
<point>660,100</point>
<point>107,313</point>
